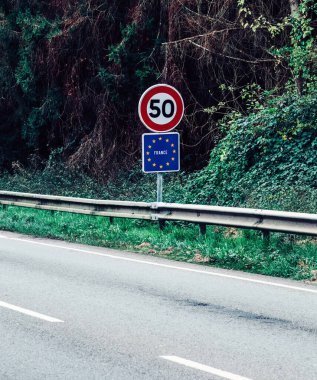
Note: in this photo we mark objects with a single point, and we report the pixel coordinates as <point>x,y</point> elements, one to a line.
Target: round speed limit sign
<point>161,108</point>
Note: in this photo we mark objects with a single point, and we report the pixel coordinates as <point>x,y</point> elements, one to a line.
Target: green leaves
<point>266,159</point>
<point>24,74</point>
<point>32,27</point>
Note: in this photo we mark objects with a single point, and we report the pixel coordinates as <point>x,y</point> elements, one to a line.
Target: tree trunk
<point>294,5</point>
<point>171,73</point>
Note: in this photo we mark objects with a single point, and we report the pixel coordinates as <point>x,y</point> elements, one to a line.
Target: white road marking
<point>204,368</point>
<point>205,272</point>
<point>30,313</point>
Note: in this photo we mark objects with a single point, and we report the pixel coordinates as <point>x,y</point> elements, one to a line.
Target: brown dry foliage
<point>195,45</point>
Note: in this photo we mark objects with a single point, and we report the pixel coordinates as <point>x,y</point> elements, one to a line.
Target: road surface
<point>69,311</point>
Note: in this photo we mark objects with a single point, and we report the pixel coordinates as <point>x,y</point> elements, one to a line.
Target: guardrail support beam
<point>203,228</point>
<point>266,236</point>
<point>162,224</point>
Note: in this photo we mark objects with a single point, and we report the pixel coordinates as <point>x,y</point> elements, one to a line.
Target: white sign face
<point>161,108</point>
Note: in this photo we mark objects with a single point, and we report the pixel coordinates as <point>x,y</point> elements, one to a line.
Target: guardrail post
<point>266,236</point>
<point>161,224</point>
<point>111,219</point>
<point>203,228</point>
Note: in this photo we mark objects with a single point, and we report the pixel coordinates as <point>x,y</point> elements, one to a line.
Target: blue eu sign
<point>160,152</point>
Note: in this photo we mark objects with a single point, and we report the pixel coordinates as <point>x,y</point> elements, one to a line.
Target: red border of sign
<point>145,98</point>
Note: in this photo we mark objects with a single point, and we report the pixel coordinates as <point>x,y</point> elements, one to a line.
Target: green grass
<point>229,248</point>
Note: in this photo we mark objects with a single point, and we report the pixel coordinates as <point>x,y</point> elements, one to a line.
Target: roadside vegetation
<point>249,137</point>
<point>284,255</point>
<point>267,159</point>
<point>229,248</point>
<point>253,166</point>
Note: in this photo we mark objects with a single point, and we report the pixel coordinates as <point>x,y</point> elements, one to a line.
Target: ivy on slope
<point>268,159</point>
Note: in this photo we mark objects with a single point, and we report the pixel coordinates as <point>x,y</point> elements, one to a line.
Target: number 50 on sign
<point>161,108</point>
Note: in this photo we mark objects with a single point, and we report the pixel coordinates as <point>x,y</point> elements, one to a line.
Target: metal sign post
<point>160,154</point>
<point>159,187</point>
<point>161,109</point>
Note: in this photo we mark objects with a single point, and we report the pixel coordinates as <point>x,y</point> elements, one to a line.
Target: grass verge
<point>228,248</point>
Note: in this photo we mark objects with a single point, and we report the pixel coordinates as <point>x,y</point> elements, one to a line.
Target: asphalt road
<point>75,312</point>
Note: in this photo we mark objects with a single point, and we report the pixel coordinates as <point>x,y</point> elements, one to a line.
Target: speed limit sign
<point>161,108</point>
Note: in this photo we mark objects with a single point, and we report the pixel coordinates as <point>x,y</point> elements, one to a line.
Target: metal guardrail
<point>114,209</point>
<point>264,220</point>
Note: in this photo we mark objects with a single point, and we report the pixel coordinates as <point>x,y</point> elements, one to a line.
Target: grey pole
<point>159,187</point>
<point>160,196</point>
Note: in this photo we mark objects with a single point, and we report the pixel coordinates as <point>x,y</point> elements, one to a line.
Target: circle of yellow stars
<point>167,163</point>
